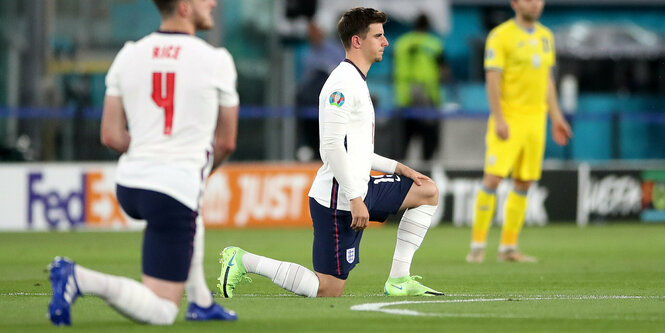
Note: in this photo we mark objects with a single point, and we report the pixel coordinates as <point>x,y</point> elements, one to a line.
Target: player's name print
<point>167,51</point>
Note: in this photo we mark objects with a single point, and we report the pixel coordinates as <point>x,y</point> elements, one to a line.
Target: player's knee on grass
<point>168,290</point>
<point>330,286</point>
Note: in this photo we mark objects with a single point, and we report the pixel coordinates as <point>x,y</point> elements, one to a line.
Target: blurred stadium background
<point>610,73</point>
<point>55,175</point>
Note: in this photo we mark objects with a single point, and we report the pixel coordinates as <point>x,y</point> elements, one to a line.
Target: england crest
<point>351,255</point>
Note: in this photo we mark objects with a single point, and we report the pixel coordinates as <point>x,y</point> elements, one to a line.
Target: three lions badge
<point>350,255</point>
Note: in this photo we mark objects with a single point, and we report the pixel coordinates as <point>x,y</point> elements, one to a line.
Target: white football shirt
<point>346,131</point>
<point>171,87</point>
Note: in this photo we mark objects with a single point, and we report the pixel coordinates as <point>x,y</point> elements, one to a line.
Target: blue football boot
<point>213,312</point>
<point>65,291</point>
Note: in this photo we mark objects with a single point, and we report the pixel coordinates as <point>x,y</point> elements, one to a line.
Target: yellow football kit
<point>525,59</point>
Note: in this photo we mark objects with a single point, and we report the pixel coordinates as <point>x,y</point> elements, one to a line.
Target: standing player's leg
<point>527,169</point>
<point>500,157</point>
<point>201,305</point>
<point>430,132</point>
<point>515,211</point>
<point>420,203</point>
<point>483,212</point>
<point>409,129</point>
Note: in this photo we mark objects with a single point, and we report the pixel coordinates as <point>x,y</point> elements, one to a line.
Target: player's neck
<point>524,24</point>
<point>176,24</point>
<point>358,60</point>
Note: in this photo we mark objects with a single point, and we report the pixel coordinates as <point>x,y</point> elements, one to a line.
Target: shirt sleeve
<point>113,75</point>
<point>494,53</point>
<point>335,114</point>
<point>383,164</point>
<point>226,77</point>
<point>552,48</point>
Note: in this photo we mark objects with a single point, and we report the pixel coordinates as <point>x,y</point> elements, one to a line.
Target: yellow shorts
<point>522,153</point>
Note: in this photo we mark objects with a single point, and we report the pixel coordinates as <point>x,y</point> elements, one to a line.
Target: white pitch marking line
<point>26,294</point>
<point>380,307</point>
<point>297,296</point>
<point>558,296</point>
<point>240,295</point>
<point>509,296</point>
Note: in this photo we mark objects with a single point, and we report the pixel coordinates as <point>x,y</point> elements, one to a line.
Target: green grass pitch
<point>599,278</point>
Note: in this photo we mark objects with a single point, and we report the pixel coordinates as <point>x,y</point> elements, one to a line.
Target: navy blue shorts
<point>336,245</point>
<point>168,240</point>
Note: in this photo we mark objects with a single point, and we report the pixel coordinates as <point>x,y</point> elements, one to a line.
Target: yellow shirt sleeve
<point>552,48</point>
<point>495,56</point>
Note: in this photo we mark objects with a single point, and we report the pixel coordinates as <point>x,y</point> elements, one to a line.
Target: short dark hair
<point>166,7</point>
<point>356,21</point>
<point>422,22</point>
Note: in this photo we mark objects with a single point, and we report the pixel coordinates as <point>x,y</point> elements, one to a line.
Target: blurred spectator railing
<point>71,133</point>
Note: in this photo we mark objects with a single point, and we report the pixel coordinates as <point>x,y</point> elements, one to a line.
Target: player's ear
<point>355,41</point>
<point>184,8</point>
<point>513,4</point>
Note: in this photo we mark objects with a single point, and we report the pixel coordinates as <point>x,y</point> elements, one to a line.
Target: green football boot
<point>233,271</point>
<point>408,286</point>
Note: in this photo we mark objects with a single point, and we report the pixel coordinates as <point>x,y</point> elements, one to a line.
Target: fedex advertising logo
<point>87,198</point>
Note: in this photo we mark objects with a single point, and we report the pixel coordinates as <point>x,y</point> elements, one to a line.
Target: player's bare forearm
<point>118,142</point>
<point>405,171</point>
<point>222,151</point>
<point>552,103</point>
<point>113,129</point>
<point>359,214</point>
<point>493,86</point>
<point>561,131</point>
<point>220,155</point>
<point>493,89</point>
<point>226,133</point>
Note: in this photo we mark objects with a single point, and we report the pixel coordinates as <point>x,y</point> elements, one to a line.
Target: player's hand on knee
<point>416,176</point>
<point>419,178</point>
<point>360,214</point>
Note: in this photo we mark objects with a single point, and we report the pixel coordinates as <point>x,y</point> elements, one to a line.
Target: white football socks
<point>292,277</point>
<point>196,286</point>
<point>127,296</point>
<point>412,229</point>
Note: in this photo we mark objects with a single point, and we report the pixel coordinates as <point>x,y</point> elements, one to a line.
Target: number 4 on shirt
<point>164,102</point>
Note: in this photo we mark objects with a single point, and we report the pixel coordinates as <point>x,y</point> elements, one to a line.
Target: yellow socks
<point>482,216</point>
<point>513,220</point>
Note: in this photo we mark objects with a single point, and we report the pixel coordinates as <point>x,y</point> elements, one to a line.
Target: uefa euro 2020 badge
<point>489,54</point>
<point>336,98</point>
